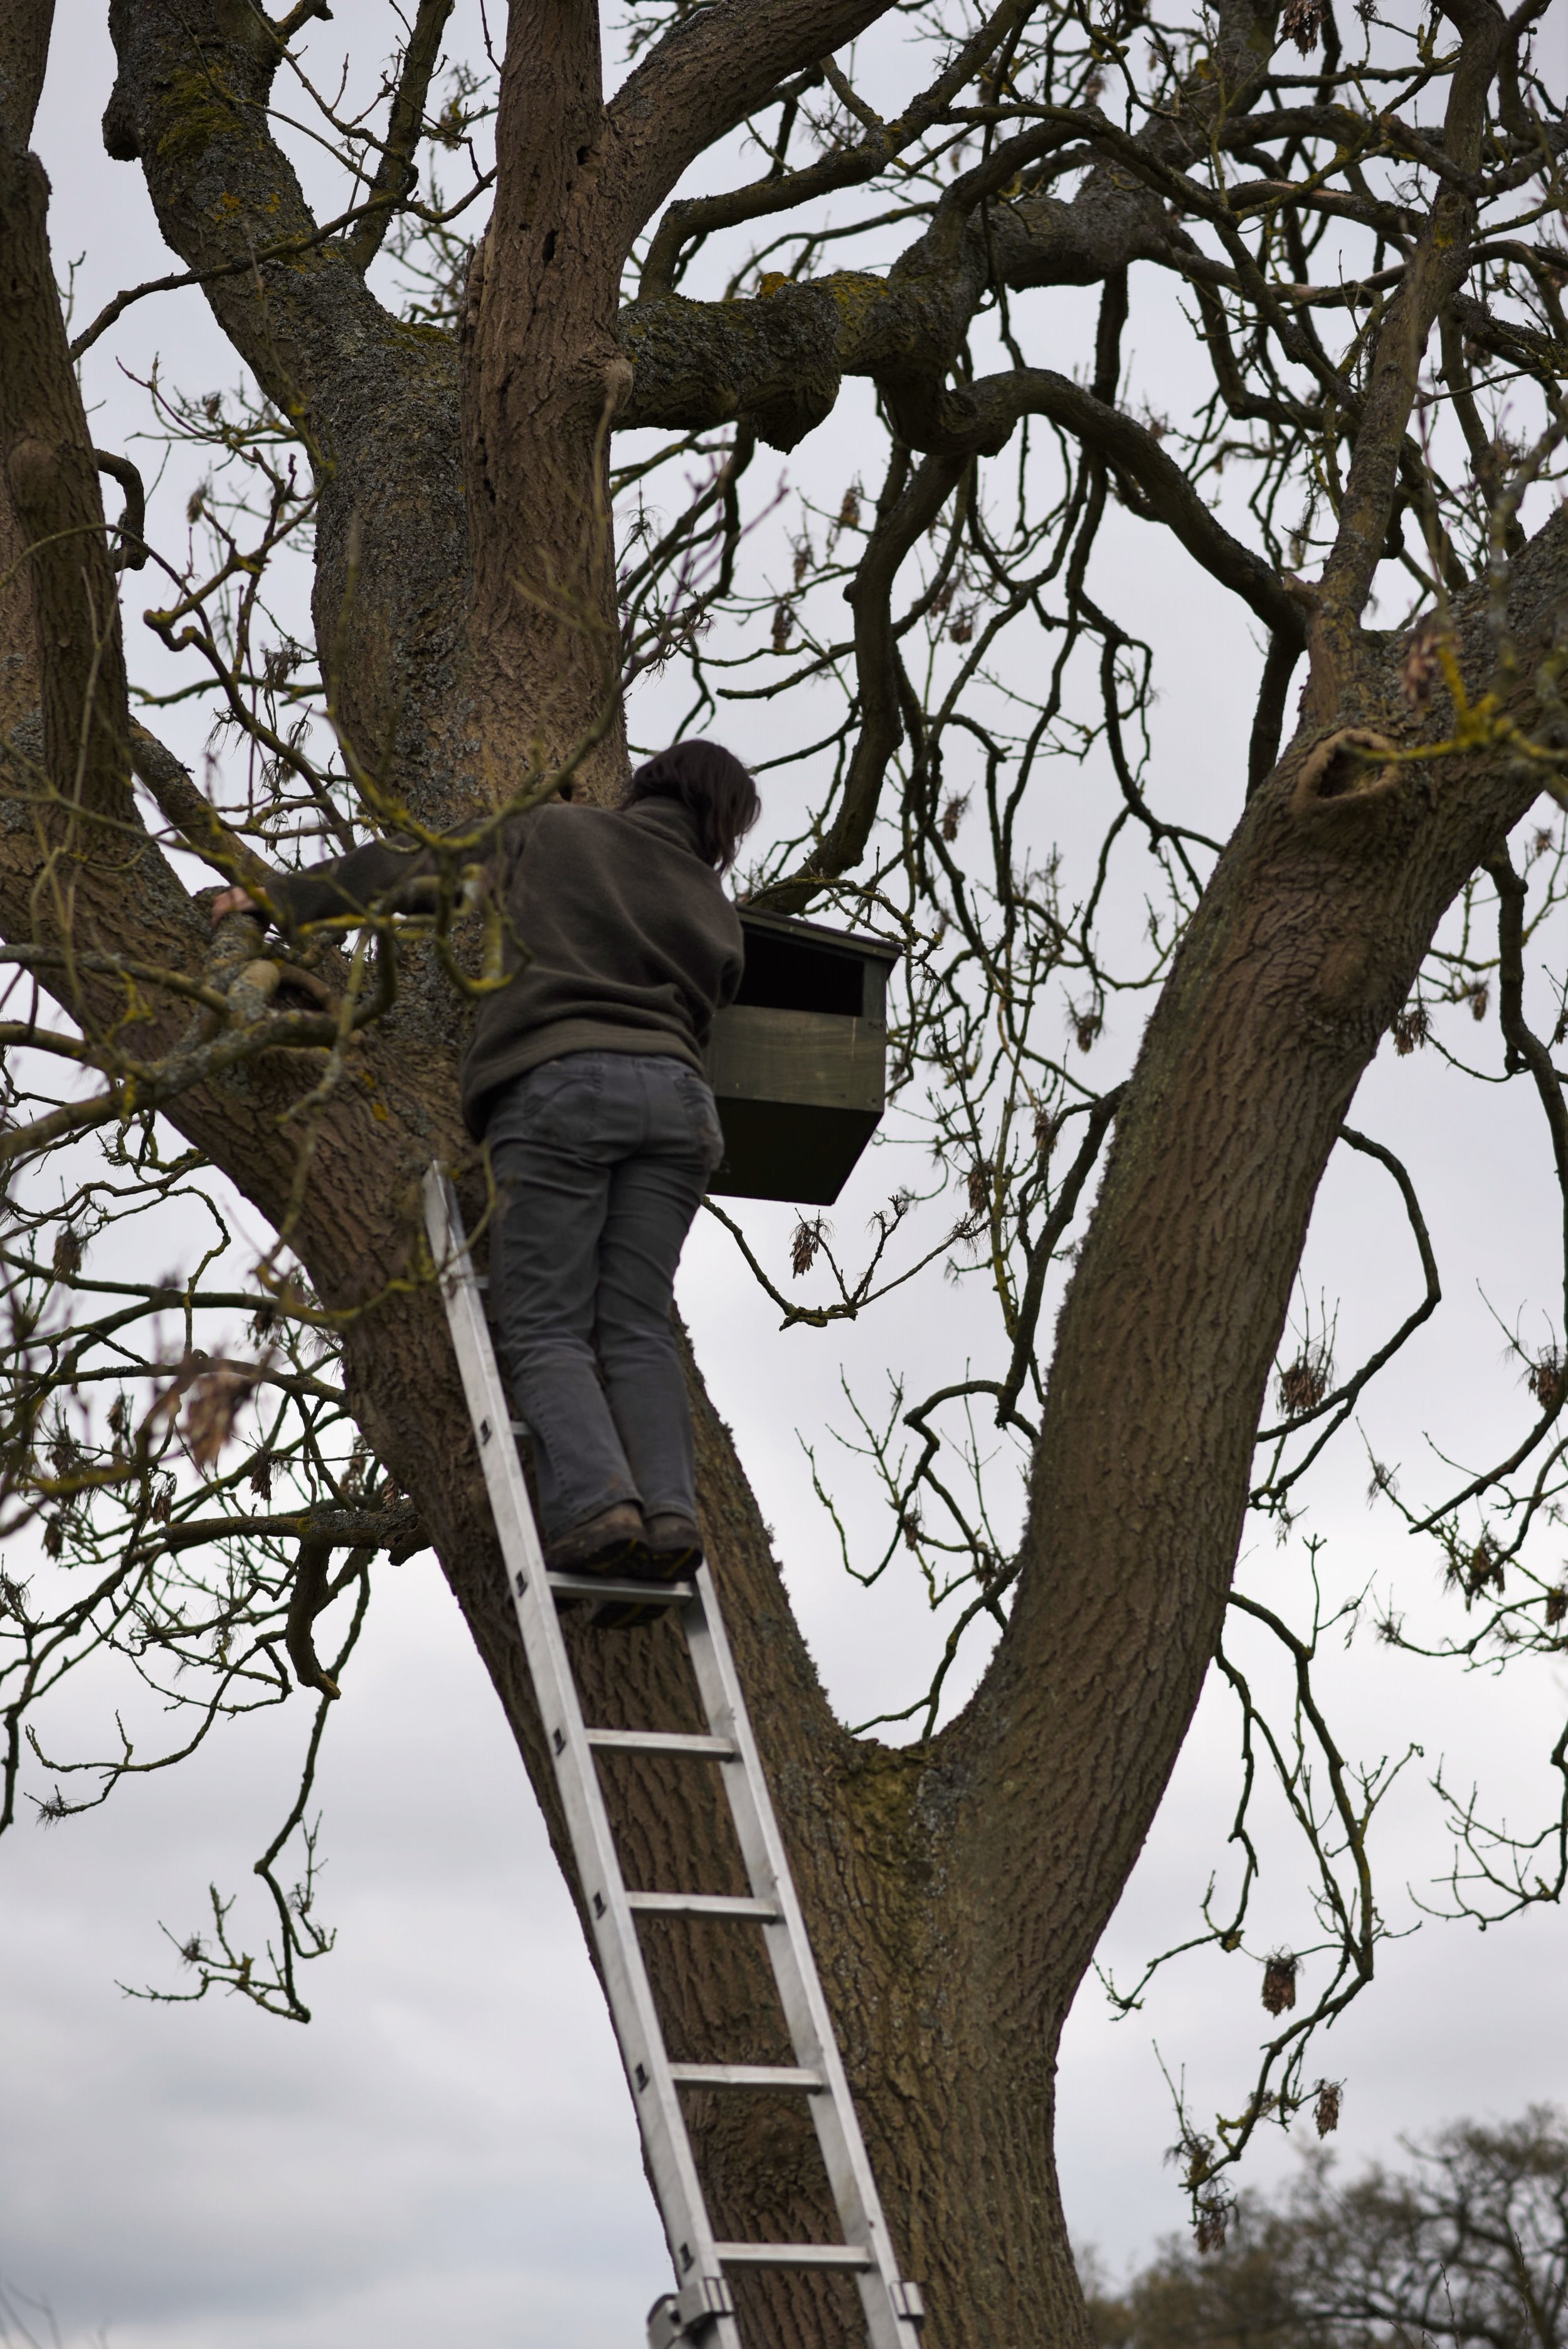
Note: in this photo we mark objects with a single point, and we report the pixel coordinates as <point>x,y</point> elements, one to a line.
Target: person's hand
<point>232,901</point>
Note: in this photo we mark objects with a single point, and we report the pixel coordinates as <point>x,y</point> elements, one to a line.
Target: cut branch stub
<point>1348,768</point>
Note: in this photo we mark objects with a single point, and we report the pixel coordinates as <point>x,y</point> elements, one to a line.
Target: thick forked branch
<point>779,357</point>
<point>190,104</point>
<point>1305,945</point>
<point>78,870</point>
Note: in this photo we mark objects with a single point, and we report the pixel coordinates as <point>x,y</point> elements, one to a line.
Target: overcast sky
<point>447,2150</point>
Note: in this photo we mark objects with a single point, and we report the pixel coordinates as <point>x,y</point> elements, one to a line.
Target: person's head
<point>713,787</point>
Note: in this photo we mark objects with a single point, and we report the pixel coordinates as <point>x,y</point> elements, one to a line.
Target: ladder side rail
<point>682,2204</point>
<point>884,2293</point>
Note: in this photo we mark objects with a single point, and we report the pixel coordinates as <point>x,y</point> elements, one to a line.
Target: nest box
<point>798,1062</point>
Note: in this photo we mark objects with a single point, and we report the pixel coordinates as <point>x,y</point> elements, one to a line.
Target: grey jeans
<point>601,1159</point>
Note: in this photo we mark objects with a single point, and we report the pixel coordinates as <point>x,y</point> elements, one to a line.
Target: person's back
<point>631,943</point>
<point>585,1079</point>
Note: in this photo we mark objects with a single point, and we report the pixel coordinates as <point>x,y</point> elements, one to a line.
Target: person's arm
<point>376,873</point>
<point>379,875</point>
<point>367,875</point>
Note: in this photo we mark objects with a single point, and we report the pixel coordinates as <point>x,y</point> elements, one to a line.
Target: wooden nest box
<point>798,1062</point>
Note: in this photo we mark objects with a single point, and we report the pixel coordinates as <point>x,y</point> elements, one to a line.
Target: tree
<point>1364,247</point>
<point>1470,2245</point>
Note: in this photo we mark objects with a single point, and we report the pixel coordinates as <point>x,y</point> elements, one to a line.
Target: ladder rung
<point>661,1741</point>
<point>793,2255</point>
<point>604,1586</point>
<point>746,2076</point>
<point>703,1904</point>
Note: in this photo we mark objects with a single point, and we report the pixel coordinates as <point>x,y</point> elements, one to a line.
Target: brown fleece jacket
<point>622,939</point>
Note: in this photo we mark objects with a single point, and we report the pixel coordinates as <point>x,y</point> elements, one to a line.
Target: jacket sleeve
<point>366,876</point>
<point>382,875</point>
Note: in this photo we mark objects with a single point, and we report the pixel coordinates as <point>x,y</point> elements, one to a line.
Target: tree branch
<point>52,475</point>
<point>24,29</point>
<point>375,402</point>
<point>192,816</point>
<point>1435,272</point>
<point>704,76</point>
<point>395,173</point>
<point>699,215</point>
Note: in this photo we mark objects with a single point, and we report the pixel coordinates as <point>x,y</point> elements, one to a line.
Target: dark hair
<point>713,787</point>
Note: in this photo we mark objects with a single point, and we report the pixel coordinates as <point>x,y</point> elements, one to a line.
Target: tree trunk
<point>544,625</point>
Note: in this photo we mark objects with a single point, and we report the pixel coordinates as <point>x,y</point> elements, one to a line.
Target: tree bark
<point>545,628</point>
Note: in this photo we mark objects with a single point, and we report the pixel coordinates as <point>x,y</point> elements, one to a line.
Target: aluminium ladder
<point>701,2311</point>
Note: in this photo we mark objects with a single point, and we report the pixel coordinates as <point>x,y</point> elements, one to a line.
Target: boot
<point>673,1546</point>
<point>599,1544</point>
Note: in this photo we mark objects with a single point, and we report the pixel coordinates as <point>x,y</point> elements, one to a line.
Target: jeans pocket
<point>559,1103</point>
<point>702,1116</point>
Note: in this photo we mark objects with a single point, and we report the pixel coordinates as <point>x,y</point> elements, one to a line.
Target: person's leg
<point>548,1152</point>
<point>652,1198</point>
<point>652,1204</point>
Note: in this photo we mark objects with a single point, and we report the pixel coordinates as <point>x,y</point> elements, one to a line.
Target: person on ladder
<point>585,1079</point>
